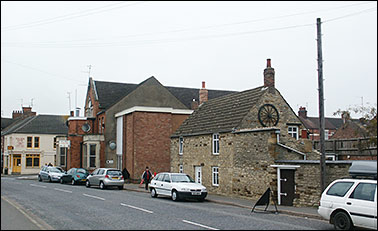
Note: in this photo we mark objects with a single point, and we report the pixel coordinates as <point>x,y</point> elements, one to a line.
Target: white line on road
<point>93,196</point>
<point>62,190</point>
<point>203,226</point>
<point>37,185</point>
<point>144,210</point>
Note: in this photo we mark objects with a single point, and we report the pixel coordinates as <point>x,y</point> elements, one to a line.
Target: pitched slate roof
<point>5,122</point>
<point>330,123</point>
<point>110,93</point>
<point>39,124</point>
<point>221,114</point>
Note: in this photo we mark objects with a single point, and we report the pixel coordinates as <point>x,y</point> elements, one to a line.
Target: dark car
<point>75,176</point>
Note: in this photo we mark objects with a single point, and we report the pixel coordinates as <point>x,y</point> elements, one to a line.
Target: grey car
<point>105,177</point>
<point>50,173</point>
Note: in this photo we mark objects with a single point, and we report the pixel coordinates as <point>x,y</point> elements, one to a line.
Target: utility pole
<point>321,107</point>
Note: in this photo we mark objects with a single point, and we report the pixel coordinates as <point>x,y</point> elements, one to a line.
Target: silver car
<point>105,177</point>
<point>50,173</point>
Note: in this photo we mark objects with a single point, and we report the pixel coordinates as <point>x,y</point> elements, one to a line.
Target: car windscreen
<point>114,173</point>
<point>81,170</point>
<point>54,170</point>
<point>182,178</point>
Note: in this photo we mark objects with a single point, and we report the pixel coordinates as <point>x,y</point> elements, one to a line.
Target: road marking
<point>203,226</point>
<point>93,196</point>
<point>62,190</point>
<point>40,223</point>
<point>144,210</point>
<point>37,185</point>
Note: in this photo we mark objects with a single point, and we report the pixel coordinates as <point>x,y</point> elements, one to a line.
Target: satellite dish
<point>112,145</point>
<point>86,127</point>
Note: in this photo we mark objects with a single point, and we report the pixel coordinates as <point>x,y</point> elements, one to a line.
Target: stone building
<point>129,125</point>
<point>242,143</point>
<point>29,141</point>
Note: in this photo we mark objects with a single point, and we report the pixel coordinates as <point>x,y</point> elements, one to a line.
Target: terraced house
<point>129,125</point>
<point>245,142</point>
<point>30,142</point>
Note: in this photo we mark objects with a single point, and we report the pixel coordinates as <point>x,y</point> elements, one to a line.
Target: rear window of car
<point>114,172</point>
<point>81,170</point>
<point>339,189</point>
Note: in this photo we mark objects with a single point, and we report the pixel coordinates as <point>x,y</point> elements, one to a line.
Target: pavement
<point>306,212</point>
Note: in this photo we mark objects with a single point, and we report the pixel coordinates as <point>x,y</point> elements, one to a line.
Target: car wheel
<point>153,193</point>
<point>102,185</point>
<point>50,179</point>
<point>73,181</point>
<point>341,221</point>
<point>39,178</point>
<point>175,196</point>
<point>87,184</point>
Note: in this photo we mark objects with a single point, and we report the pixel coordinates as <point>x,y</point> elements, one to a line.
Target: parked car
<point>75,176</point>
<point>105,177</point>
<point>50,173</point>
<point>176,185</point>
<point>347,203</point>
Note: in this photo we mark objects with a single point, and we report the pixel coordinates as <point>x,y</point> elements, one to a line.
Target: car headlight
<point>204,190</point>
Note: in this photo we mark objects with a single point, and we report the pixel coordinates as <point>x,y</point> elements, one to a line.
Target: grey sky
<point>46,48</point>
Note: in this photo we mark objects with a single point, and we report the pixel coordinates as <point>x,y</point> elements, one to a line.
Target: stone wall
<point>307,181</point>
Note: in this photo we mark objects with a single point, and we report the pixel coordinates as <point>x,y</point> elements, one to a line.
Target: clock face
<point>268,115</point>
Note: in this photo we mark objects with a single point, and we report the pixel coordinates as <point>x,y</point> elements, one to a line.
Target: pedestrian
<point>125,174</point>
<point>50,164</point>
<point>146,177</point>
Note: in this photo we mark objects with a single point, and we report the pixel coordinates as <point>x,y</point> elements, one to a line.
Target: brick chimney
<point>26,111</point>
<point>203,94</point>
<point>302,112</point>
<point>268,75</point>
<point>194,104</point>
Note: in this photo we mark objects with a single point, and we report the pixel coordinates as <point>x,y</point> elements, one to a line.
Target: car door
<point>362,205</point>
<point>93,178</point>
<point>166,185</point>
<point>44,173</point>
<point>156,182</point>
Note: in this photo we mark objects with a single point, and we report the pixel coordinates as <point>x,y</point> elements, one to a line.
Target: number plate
<point>115,178</point>
<point>196,193</point>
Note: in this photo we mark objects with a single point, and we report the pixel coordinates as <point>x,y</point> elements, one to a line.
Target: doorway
<point>16,164</point>
<point>287,187</point>
<point>198,174</point>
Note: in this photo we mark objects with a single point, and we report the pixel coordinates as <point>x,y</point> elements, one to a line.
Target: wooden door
<point>16,164</point>
<point>287,187</point>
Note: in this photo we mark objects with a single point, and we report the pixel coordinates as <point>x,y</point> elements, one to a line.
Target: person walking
<point>125,174</point>
<point>146,177</point>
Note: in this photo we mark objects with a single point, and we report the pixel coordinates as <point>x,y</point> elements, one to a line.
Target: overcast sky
<point>47,47</point>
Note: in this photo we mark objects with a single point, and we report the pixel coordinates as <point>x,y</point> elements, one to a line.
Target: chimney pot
<point>203,84</point>
<point>269,75</point>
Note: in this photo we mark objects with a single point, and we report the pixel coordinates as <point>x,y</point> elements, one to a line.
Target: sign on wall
<point>64,143</point>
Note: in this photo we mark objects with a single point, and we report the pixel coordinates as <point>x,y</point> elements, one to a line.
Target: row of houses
<point>235,143</point>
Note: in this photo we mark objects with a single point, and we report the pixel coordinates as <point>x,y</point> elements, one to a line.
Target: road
<point>77,207</point>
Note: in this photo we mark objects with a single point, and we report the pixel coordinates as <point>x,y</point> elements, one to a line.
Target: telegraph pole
<point>321,107</point>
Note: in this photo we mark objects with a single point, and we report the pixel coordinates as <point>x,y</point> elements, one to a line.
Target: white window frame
<point>326,134</point>
<point>215,175</point>
<point>181,145</point>
<point>291,132</point>
<point>181,168</point>
<point>215,145</point>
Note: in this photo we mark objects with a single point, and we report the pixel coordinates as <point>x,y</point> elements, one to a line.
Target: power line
<point>32,68</point>
<point>64,17</point>
<point>220,25</point>
<point>142,42</point>
<point>353,14</point>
